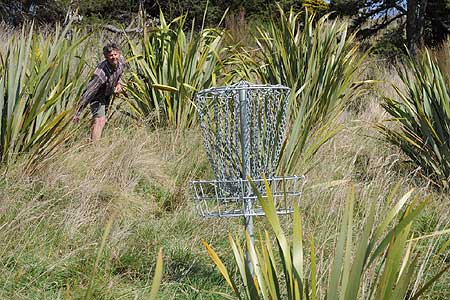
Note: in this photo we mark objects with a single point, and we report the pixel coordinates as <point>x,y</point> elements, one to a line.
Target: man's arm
<point>119,86</point>
<point>93,86</point>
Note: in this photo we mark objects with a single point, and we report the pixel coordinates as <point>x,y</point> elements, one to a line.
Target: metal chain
<point>220,120</point>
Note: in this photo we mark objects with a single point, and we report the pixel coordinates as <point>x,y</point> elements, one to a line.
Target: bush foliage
<point>422,118</point>
<point>40,82</point>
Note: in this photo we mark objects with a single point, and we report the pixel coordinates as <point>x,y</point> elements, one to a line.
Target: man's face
<point>113,58</point>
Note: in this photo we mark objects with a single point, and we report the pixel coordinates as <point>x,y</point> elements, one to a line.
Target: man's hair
<point>110,47</point>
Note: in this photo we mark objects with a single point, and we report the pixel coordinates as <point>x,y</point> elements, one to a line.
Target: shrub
<point>421,116</point>
<point>40,78</point>
<point>318,60</point>
<point>170,66</point>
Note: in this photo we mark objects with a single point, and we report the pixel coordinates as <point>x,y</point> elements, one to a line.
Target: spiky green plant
<point>170,65</point>
<point>421,115</point>
<point>385,249</point>
<point>319,61</point>
<point>40,77</point>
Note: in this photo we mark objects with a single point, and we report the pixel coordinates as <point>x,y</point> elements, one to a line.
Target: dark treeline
<point>15,11</point>
<point>398,22</point>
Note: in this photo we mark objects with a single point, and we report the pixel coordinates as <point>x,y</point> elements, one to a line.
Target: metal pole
<point>245,149</point>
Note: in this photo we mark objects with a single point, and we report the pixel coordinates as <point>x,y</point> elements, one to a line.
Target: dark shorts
<point>99,108</point>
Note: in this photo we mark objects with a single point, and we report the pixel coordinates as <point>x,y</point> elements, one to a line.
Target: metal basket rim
<point>221,89</point>
<point>269,179</point>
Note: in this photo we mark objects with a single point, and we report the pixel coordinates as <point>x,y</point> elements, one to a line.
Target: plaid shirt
<point>102,84</point>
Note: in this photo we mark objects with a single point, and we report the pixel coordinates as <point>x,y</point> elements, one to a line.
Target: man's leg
<point>98,120</point>
<point>97,128</point>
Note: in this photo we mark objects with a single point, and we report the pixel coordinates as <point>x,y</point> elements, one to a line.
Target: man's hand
<point>76,118</point>
<point>118,89</point>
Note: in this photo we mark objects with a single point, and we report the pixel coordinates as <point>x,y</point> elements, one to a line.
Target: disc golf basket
<point>243,128</point>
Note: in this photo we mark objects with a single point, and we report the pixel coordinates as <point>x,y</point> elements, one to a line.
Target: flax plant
<point>421,115</point>
<point>318,60</point>
<point>40,77</point>
<point>386,249</point>
<point>170,65</point>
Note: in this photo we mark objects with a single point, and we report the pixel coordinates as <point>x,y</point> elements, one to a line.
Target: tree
<point>438,17</point>
<point>423,21</point>
<point>15,12</point>
<point>415,17</point>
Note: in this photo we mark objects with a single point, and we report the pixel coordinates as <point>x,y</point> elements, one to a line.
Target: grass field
<point>53,220</point>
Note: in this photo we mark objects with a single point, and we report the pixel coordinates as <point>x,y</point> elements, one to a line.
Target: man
<point>105,82</point>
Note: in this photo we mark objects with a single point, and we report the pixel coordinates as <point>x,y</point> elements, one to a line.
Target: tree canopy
<point>411,22</point>
<point>422,22</point>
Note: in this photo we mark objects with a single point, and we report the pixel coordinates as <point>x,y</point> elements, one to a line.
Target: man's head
<point>112,54</point>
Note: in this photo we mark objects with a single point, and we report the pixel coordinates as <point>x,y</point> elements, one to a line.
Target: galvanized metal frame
<point>243,127</point>
<point>213,197</point>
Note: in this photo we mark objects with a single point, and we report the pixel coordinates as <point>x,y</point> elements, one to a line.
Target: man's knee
<point>99,121</point>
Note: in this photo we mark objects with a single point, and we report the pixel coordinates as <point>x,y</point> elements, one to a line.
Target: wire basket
<point>243,128</point>
<point>236,198</point>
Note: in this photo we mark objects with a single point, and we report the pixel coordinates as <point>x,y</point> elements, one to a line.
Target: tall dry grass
<point>238,29</point>
<point>442,55</point>
<point>142,177</point>
<point>52,222</point>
